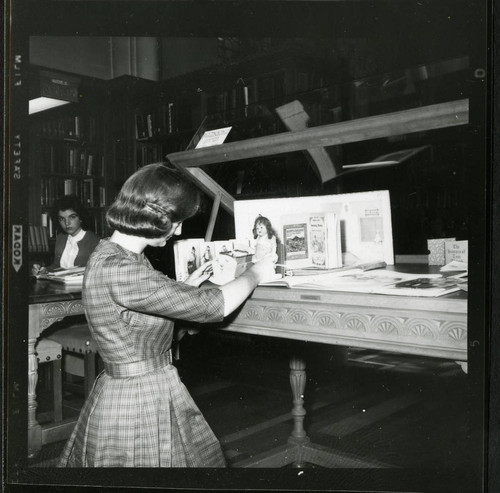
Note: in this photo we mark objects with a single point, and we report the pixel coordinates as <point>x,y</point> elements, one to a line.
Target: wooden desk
<point>49,302</point>
<point>435,327</point>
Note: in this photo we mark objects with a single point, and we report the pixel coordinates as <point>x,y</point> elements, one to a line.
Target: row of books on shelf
<point>147,154</point>
<point>246,96</point>
<point>71,160</point>
<point>74,127</point>
<point>88,190</point>
<point>99,223</point>
<point>157,122</point>
<point>230,104</point>
<point>47,224</point>
<point>240,101</point>
<point>38,239</point>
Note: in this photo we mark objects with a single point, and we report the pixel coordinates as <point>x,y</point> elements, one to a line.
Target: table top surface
<point>47,291</point>
<point>42,291</point>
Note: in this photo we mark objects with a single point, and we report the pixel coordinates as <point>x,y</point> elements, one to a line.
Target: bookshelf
<point>133,134</point>
<point>68,157</point>
<point>242,95</point>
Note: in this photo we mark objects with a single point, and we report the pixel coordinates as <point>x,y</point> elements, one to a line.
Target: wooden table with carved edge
<point>432,327</point>
<point>49,302</point>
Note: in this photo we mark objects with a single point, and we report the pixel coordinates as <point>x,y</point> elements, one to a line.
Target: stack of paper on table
<point>376,282</point>
<point>462,275</point>
<point>454,266</point>
<point>73,276</point>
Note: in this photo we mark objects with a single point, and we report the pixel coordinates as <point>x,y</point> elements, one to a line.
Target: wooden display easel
<point>422,119</point>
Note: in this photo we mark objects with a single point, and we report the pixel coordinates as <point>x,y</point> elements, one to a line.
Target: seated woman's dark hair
<point>70,202</point>
<point>151,200</point>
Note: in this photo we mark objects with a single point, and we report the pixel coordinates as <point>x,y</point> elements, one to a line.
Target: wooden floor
<point>373,407</point>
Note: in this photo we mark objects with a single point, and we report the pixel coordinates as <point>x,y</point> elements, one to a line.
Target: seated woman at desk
<point>139,413</point>
<point>75,243</point>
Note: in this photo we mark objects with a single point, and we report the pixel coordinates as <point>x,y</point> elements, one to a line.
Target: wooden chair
<point>49,351</point>
<point>79,355</point>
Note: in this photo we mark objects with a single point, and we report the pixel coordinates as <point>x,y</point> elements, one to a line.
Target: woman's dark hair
<point>151,200</point>
<point>265,221</point>
<point>68,202</point>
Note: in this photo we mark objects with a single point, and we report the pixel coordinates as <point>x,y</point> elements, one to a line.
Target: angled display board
<point>426,118</point>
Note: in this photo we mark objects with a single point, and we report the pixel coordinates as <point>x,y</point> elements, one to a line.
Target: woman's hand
<point>180,333</point>
<point>200,275</point>
<point>237,291</point>
<point>38,270</point>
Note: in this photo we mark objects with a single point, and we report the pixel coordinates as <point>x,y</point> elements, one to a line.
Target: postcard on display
<point>436,247</point>
<point>312,240</point>
<point>222,247</point>
<point>187,257</point>
<point>213,137</point>
<point>363,225</point>
<point>227,261</point>
<point>296,242</point>
<point>456,251</point>
<point>325,240</point>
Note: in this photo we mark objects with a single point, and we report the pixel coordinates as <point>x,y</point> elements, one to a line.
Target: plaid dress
<point>139,413</point>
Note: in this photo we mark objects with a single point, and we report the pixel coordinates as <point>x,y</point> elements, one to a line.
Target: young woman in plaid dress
<point>139,414</point>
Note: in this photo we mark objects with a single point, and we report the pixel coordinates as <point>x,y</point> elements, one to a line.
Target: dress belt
<point>137,368</point>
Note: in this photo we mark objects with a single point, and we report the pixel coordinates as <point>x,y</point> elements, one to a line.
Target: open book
<point>376,282</point>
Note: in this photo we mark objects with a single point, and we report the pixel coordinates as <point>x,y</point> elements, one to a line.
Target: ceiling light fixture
<point>50,89</point>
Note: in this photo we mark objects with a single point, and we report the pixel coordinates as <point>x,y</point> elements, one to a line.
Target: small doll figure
<point>265,243</point>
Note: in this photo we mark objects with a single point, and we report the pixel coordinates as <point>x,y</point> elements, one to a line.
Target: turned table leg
<point>298,384</point>
<point>34,429</point>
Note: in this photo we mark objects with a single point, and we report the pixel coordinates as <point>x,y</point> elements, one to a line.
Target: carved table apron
<point>49,303</point>
<point>435,327</point>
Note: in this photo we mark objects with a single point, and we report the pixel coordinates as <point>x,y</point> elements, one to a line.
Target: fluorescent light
<point>42,103</point>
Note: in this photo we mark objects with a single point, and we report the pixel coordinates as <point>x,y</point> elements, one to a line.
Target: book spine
<point>31,239</point>
<point>149,120</point>
<point>334,255</point>
<point>318,241</point>
<point>38,240</point>
<point>45,239</point>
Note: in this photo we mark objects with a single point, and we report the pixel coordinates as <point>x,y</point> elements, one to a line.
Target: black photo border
<point>151,18</point>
